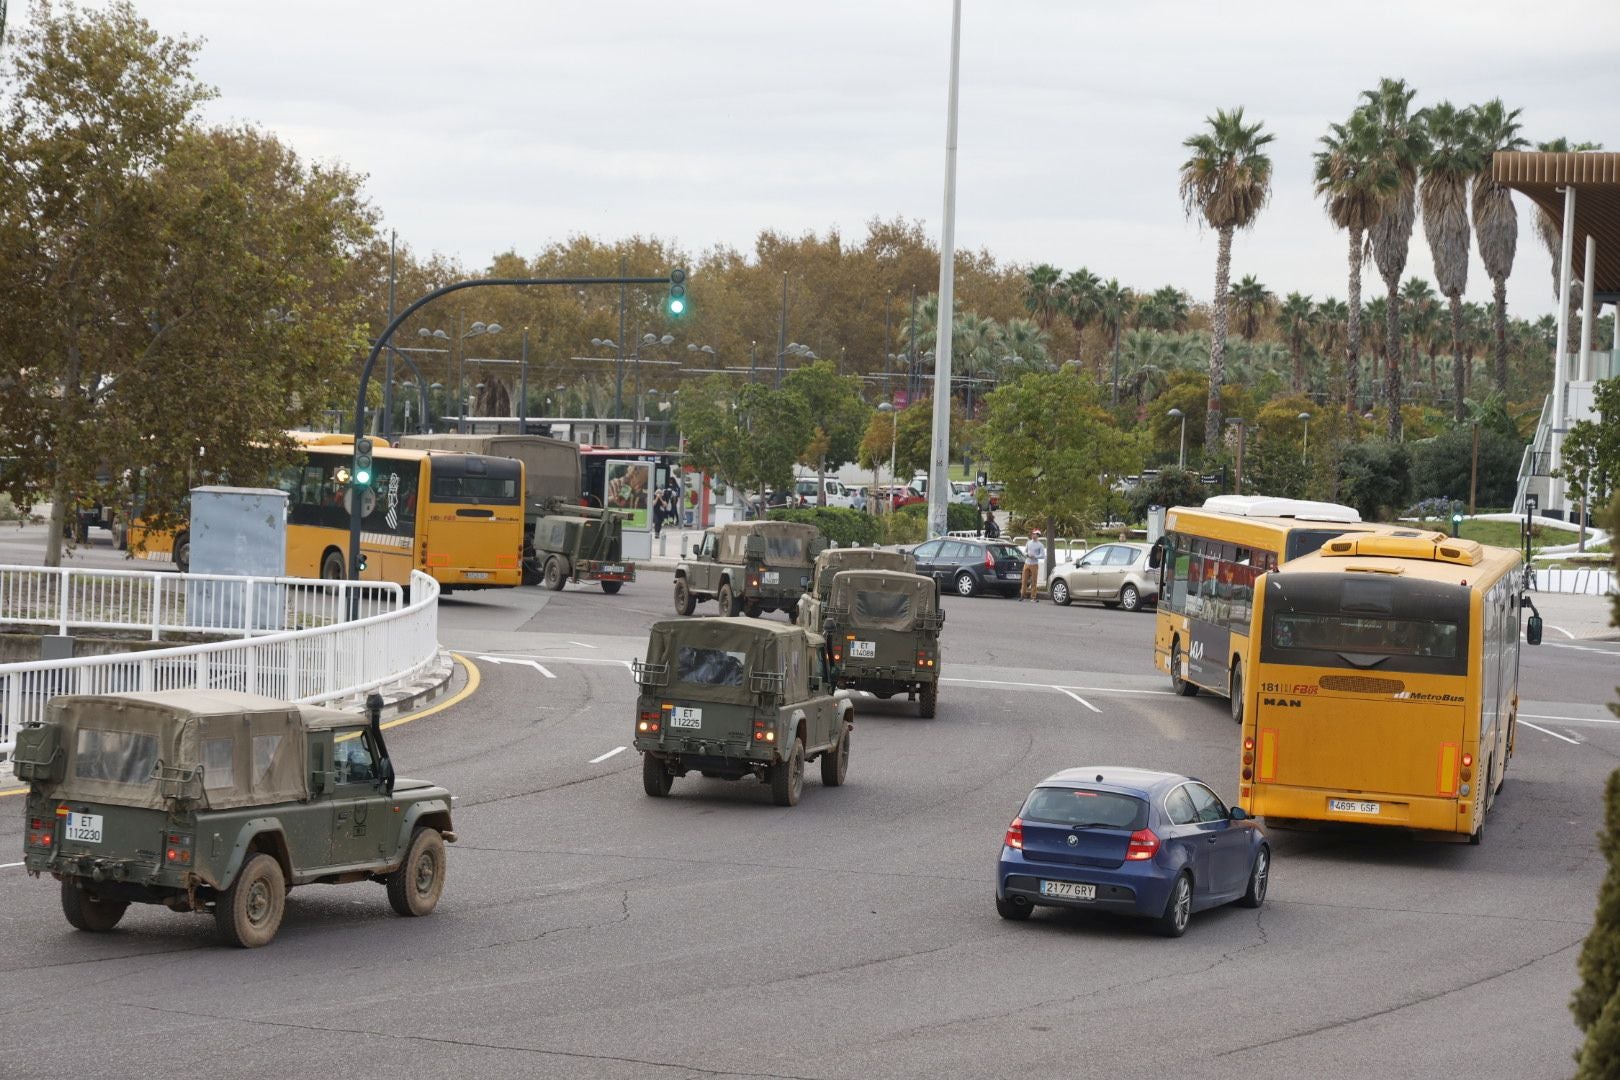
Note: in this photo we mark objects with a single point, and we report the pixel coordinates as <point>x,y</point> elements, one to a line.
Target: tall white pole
<point>939,471</point>
<point>1561,350</point>
<point>1588,310</point>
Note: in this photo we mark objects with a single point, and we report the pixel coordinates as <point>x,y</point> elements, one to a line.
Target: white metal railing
<point>157,602</point>
<point>1537,447</point>
<point>324,664</point>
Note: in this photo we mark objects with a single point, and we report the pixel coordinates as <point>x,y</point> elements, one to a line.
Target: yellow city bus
<point>1384,685</point>
<point>1208,560</point>
<point>457,517</point>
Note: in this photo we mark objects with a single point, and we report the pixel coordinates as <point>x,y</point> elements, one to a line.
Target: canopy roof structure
<point>1596,179</point>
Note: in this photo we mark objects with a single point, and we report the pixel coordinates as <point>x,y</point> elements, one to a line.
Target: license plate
<point>686,718</point>
<point>1068,890</point>
<point>85,828</point>
<point>612,569</point>
<point>1353,806</point>
<point>863,648</point>
<point>476,575</point>
<point>772,577</point>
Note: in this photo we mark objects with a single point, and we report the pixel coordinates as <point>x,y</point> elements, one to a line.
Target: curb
<point>419,691</point>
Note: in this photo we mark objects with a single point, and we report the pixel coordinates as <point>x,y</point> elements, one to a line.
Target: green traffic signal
<point>677,292</point>
<point>360,475</point>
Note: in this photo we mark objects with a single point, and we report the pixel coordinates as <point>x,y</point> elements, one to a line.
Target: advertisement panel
<point>629,488</point>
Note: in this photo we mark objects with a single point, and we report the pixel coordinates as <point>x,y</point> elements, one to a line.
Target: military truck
<point>882,630</point>
<point>219,802</point>
<point>562,540</point>
<point>731,698</point>
<point>749,566</point>
<point>834,560</point>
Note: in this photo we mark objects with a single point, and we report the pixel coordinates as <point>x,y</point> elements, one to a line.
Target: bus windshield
<point>1348,620</point>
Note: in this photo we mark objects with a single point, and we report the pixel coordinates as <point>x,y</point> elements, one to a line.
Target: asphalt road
<point>588,931</point>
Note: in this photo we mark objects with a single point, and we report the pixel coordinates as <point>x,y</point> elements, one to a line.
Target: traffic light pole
<point>676,277</point>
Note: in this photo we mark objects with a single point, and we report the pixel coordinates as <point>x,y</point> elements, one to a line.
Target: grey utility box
<point>241,532</point>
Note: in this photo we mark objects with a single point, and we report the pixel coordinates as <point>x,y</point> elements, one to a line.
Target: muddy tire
<point>928,700</point>
<point>835,763</point>
<point>415,887</point>
<point>85,912</point>
<point>555,578</point>
<point>655,779</point>
<point>684,600</point>
<point>248,914</point>
<point>730,605</point>
<point>787,777</point>
<point>612,587</point>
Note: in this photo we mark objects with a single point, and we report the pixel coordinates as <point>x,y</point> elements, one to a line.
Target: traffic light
<point>361,474</point>
<point>1456,523</point>
<point>362,564</point>
<point>677,292</point>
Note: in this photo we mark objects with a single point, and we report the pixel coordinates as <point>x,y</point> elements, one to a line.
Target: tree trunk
<point>821,481</point>
<point>1352,368</point>
<point>1499,361</point>
<point>1217,341</point>
<point>1392,358</point>
<point>1458,390</point>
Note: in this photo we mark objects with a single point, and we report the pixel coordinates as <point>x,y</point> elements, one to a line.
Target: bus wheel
<point>1478,835</point>
<point>182,553</point>
<point>331,566</point>
<point>1177,683</point>
<point>531,571</point>
<point>1235,689</point>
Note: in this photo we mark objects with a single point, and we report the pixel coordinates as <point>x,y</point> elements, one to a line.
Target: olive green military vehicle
<point>562,540</point>
<point>731,698</point>
<point>219,802</point>
<point>835,560</point>
<point>882,630</point>
<point>749,566</point>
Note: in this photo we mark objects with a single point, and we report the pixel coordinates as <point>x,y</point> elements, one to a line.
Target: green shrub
<point>841,526</point>
<point>1375,478</point>
<point>958,518</point>
<point>1441,466</point>
<point>902,528</point>
<point>1596,1001</point>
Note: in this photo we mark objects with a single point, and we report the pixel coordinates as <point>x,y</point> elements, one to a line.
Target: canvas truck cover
<point>551,466</point>
<point>786,542</point>
<point>882,598</point>
<point>225,747</point>
<point>718,659</point>
<point>836,560</point>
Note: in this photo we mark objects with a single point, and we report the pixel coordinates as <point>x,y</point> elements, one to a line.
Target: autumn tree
<point>838,418</point>
<point>749,437</point>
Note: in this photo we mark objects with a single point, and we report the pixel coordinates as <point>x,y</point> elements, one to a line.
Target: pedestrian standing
<point>1034,555</point>
<point>992,531</point>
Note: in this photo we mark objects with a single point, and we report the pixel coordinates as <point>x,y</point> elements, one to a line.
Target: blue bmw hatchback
<point>1128,840</point>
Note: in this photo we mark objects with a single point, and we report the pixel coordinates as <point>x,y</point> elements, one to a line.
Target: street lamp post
<point>894,438</point>
<point>1181,455</point>
<point>793,348</point>
<point>477,329</point>
<point>1305,443</point>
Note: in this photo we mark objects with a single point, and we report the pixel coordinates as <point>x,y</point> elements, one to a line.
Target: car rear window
<point>710,667</point>
<point>882,607</point>
<point>122,757</point>
<point>1006,551</point>
<point>1080,807</point>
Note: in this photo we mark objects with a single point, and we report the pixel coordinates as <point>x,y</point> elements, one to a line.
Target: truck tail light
<point>41,832</point>
<point>1015,834</point>
<point>648,722</point>
<point>177,849</point>
<point>1143,845</point>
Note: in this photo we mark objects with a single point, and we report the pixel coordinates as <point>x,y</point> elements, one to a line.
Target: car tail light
<point>177,849</point>
<point>989,559</point>
<point>1144,845</point>
<point>41,832</point>
<point>1015,834</point>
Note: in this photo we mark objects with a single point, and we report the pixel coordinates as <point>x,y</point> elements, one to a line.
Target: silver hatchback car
<point>1115,574</point>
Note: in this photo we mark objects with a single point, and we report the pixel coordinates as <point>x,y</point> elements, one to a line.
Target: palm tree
<point>977,342</point>
<point>1553,238</point>
<point>1114,303</point>
<point>1296,316</point>
<point>1354,180</point>
<point>1165,310</point>
<point>1454,156</point>
<point>1375,319</point>
<point>1331,316</point>
<point>1496,222</point>
<point>1417,317</point>
<point>1023,347</point>
<point>1077,296</point>
<point>1041,293</point>
<point>1253,300</point>
<point>1402,143</point>
<point>1478,333</point>
<point>1226,179</point>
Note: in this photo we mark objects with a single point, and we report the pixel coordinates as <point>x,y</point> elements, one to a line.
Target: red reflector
<point>1143,845</point>
<point>1015,834</point>
<point>1248,773</point>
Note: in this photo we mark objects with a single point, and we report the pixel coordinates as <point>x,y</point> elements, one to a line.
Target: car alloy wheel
<point>965,585</point>
<point>1060,592</point>
<point>1129,598</point>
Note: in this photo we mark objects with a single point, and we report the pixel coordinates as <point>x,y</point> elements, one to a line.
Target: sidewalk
<point>1569,616</point>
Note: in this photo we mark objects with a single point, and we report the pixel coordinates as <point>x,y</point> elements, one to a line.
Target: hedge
<point>841,526</point>
<point>958,517</point>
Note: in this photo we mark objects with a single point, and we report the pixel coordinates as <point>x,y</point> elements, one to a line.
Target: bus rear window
<point>1305,541</point>
<point>480,481</point>
<point>1365,635</point>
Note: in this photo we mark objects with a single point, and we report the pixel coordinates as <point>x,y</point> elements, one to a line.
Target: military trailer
<point>562,540</point>
<point>219,802</point>
<point>835,560</point>
<point>730,698</point>
<point>749,566</point>
<point>882,630</point>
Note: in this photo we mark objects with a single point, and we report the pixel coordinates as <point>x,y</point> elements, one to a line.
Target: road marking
<point>604,757</point>
<point>13,791</point>
<point>8,865</point>
<point>1561,630</point>
<point>1078,698</point>
<point>522,663</point>
<point>1569,719</point>
<point>473,679</point>
<point>1554,734</point>
<point>1050,686</point>
<point>582,644</point>
<point>1579,648</point>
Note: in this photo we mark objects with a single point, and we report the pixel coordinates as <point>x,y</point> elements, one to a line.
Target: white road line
<point>604,757</point>
<point>9,865</point>
<point>513,660</point>
<point>582,644</point>
<point>544,671</point>
<point>1554,734</point>
<point>1077,697</point>
<point>1050,686</point>
<point>1580,648</point>
<point>1561,630</point>
<point>1569,719</point>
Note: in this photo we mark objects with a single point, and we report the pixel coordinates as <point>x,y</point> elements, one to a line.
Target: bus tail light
<point>1144,845</point>
<point>1467,772</point>
<point>1015,834</point>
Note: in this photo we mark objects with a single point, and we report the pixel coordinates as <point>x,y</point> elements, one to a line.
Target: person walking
<point>992,531</point>
<point>1034,555</point>
<point>663,509</point>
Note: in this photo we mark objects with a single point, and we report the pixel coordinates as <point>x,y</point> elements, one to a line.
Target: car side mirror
<point>1532,630</point>
<point>1239,814</point>
<point>1156,557</point>
<point>317,781</point>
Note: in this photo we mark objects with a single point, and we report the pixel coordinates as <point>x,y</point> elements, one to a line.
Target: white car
<point>837,494</point>
<point>962,493</point>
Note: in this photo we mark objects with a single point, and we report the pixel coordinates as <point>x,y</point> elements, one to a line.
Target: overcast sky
<point>494,124</point>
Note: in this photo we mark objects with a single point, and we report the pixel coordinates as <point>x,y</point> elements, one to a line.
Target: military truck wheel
<point>792,611</point>
<point>787,777</point>
<point>928,700</point>
<point>835,763</point>
<point>612,587</point>
<point>730,605</point>
<point>753,610</point>
<point>655,779</point>
<point>532,574</point>
<point>414,888</point>
<point>248,914</point>
<point>555,579</point>
<point>87,912</point>
<point>684,600</point>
